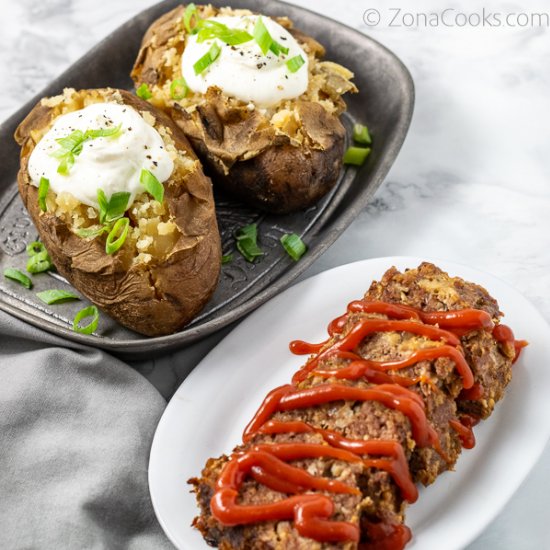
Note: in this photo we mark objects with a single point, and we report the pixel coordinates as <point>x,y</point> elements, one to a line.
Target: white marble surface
<point>472,183</point>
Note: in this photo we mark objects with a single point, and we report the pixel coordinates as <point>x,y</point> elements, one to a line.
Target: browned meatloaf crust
<point>426,288</point>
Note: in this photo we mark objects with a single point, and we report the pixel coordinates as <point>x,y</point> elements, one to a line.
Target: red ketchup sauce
<point>268,463</point>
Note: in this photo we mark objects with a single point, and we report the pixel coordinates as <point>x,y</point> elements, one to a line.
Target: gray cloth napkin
<point>76,428</point>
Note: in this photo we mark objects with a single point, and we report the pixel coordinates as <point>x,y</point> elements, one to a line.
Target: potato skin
<point>155,299</point>
<point>242,153</point>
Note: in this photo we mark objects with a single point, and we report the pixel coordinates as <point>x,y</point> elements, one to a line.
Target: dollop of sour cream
<point>243,71</point>
<point>112,164</point>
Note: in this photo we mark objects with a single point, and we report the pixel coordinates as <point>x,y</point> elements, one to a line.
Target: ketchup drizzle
<point>267,463</point>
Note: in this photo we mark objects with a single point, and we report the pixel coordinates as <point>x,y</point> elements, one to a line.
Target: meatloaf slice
<point>376,507</point>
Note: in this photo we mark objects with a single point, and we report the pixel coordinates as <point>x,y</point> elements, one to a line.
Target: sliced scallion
<point>356,155</point>
<point>43,187</point>
<point>262,36</point>
<point>90,311</point>
<point>56,296</point>
<point>246,240</point>
<point>178,89</point>
<point>17,276</point>
<point>361,134</point>
<point>92,232</point>
<point>209,29</point>
<point>38,263</point>
<point>294,246</point>
<point>117,235</point>
<point>112,208</point>
<point>227,258</point>
<point>144,92</point>
<point>277,48</point>
<point>35,248</point>
<point>294,63</point>
<point>71,145</point>
<point>152,185</point>
<point>190,12</point>
<point>207,59</point>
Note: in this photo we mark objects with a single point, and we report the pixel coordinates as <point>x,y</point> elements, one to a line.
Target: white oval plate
<point>207,414</point>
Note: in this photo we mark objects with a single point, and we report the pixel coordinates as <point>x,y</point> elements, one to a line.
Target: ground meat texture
<point>436,381</point>
<point>430,289</point>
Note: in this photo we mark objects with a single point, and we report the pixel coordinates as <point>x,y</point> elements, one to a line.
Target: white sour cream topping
<point>243,71</point>
<point>112,164</point>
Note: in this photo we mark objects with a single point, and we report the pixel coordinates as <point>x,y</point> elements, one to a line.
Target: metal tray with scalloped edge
<point>385,101</point>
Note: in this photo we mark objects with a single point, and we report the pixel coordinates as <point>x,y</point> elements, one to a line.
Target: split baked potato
<point>168,266</point>
<point>279,158</point>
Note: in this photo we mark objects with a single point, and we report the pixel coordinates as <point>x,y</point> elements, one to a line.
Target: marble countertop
<point>471,185</point>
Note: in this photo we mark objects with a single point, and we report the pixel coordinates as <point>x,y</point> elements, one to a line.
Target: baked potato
<point>168,265</point>
<point>278,156</point>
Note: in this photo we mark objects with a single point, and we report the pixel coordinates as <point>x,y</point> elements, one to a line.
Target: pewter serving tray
<point>385,102</point>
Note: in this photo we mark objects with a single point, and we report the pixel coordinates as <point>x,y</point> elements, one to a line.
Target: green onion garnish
<point>277,48</point>
<point>227,258</point>
<point>120,228</point>
<point>207,59</point>
<point>113,131</point>
<point>356,155</point>
<point>190,12</point>
<point>114,208</point>
<point>16,275</point>
<point>294,63</point>
<point>294,246</point>
<point>90,311</point>
<point>43,187</point>
<point>144,92</point>
<point>71,145</point>
<point>178,89</point>
<point>35,248</point>
<point>209,29</point>
<point>93,231</point>
<point>361,134</point>
<point>38,263</point>
<point>247,245</point>
<point>262,36</point>
<point>152,185</point>
<point>55,296</point>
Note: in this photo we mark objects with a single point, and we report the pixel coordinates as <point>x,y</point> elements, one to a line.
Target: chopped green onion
<point>93,231</point>
<point>361,134</point>
<point>207,59</point>
<point>55,296</point>
<point>152,185</point>
<point>356,155</point>
<point>118,203</point>
<point>294,246</point>
<point>103,204</point>
<point>178,89</point>
<point>90,311</point>
<point>71,145</point>
<point>113,131</point>
<point>35,248</point>
<point>43,187</point>
<point>190,12</point>
<point>277,48</point>
<point>144,92</point>
<point>294,63</point>
<point>227,258</point>
<point>209,29</point>
<point>16,275</point>
<point>262,36</point>
<point>114,208</point>
<point>120,228</point>
<point>247,245</point>
<point>38,263</point>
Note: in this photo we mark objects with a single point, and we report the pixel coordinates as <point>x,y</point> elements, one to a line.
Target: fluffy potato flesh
<point>281,158</point>
<point>169,264</point>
